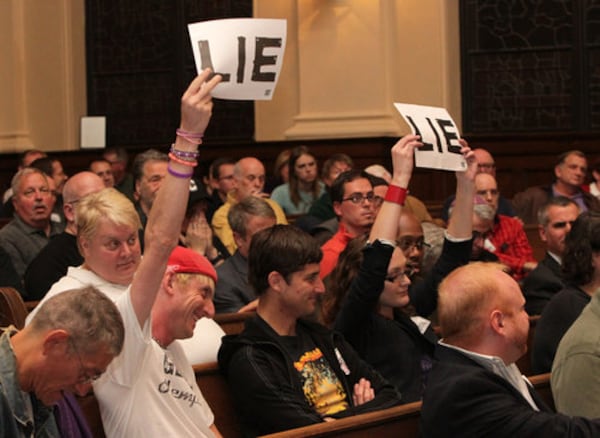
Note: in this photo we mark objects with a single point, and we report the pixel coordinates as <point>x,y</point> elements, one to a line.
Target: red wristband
<point>396,194</point>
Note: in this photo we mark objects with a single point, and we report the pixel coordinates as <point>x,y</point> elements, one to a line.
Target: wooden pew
<point>524,363</point>
<point>232,323</point>
<point>400,422</point>
<point>215,390</point>
<point>541,383</point>
<point>12,308</point>
<point>533,235</point>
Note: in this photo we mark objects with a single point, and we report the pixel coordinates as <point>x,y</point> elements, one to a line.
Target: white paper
<point>439,133</point>
<point>248,52</point>
<point>93,132</point>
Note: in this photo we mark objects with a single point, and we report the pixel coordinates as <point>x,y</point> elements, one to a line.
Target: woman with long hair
<point>369,287</point>
<point>303,188</point>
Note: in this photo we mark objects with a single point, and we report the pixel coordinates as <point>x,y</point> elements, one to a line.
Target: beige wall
<point>42,74</point>
<point>347,61</point>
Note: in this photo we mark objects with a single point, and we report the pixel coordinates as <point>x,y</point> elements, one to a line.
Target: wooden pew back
<point>541,383</point>
<point>524,363</point>
<point>232,323</point>
<point>215,390</point>
<point>400,422</point>
<point>538,246</point>
<point>12,308</point>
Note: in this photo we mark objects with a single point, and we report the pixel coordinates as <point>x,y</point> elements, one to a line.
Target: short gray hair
<point>142,158</point>
<point>555,201</point>
<point>16,180</point>
<point>238,215</point>
<point>90,317</point>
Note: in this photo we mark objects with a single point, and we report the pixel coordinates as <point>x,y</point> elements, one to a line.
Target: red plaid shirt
<point>512,247</point>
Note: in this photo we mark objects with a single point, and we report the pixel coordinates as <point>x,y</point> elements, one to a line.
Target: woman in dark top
<point>369,287</point>
<point>581,274</point>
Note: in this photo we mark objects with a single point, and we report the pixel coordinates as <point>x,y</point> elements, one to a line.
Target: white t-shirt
<point>204,345</point>
<point>158,385</point>
<point>78,277</point>
<point>201,348</point>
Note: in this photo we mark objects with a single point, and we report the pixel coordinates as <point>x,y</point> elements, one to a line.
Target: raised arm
<point>460,225</point>
<point>386,223</point>
<point>362,298</point>
<point>423,292</point>
<point>166,215</point>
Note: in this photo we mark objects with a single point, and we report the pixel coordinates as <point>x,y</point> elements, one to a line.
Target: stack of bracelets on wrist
<point>192,137</point>
<point>396,194</point>
<point>185,158</point>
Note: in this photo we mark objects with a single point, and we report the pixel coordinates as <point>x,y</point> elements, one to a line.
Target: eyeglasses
<point>486,166</point>
<point>85,376</point>
<point>359,198</point>
<point>392,277</point>
<point>407,242</point>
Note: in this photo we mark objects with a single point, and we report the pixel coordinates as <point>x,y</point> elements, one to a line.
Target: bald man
<point>61,252</point>
<point>504,237</point>
<point>485,164</point>
<point>475,388</point>
<point>249,180</point>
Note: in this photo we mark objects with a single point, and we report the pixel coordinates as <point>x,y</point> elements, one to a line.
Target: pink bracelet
<point>396,194</point>
<point>192,137</point>
<point>179,175</point>
<point>175,158</point>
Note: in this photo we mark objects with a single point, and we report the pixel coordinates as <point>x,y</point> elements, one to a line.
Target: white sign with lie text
<point>246,52</point>
<point>439,134</point>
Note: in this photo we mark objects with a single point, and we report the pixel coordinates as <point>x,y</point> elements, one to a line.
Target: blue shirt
<point>15,419</point>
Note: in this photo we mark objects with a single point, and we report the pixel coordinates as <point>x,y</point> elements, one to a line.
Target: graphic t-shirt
<point>322,388</point>
<point>148,391</point>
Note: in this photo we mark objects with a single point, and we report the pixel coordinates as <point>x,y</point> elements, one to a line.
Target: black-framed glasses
<point>399,274</point>
<point>406,243</point>
<point>359,198</point>
<point>84,376</point>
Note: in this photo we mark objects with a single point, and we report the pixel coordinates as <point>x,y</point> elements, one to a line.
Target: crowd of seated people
<point>336,327</point>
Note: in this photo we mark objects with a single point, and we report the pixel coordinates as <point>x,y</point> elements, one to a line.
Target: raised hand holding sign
<point>439,134</point>
<point>246,52</point>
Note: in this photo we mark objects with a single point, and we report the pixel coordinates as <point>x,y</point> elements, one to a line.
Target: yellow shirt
<point>221,227</point>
